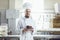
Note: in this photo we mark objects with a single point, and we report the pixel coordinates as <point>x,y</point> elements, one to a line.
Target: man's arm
<point>21,29</point>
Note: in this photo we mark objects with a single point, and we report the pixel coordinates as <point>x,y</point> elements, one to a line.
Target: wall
<point>3,16</point>
<point>49,4</point>
<point>4,4</point>
<point>18,4</point>
<point>0,18</point>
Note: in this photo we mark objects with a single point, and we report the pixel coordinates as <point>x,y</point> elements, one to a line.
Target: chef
<point>26,25</point>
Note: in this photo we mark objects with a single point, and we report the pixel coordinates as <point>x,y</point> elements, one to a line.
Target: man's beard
<point>27,16</point>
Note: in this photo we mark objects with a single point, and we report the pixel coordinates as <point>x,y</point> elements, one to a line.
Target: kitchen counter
<point>17,37</point>
<point>49,30</point>
<point>35,36</point>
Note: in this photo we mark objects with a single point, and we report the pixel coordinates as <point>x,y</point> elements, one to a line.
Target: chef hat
<point>27,5</point>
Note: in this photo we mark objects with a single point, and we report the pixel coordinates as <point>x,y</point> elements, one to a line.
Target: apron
<point>27,35</point>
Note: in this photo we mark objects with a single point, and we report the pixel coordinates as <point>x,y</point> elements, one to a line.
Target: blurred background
<point>46,14</point>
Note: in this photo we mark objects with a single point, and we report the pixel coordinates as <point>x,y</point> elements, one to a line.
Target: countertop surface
<point>35,36</point>
<point>49,29</point>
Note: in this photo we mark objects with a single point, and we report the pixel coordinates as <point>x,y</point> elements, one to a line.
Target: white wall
<point>49,4</point>
<point>11,4</point>
<point>18,4</point>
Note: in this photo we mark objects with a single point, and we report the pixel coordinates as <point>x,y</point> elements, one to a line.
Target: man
<point>26,26</point>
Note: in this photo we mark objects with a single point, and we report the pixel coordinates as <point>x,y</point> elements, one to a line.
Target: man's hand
<point>29,27</point>
<point>24,30</point>
<point>31,30</point>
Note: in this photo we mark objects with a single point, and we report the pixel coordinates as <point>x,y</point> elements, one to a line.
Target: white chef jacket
<point>22,23</point>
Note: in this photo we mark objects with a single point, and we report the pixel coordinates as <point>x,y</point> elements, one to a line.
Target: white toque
<point>27,5</point>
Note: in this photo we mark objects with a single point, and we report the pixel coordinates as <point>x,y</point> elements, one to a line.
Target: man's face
<point>27,13</point>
